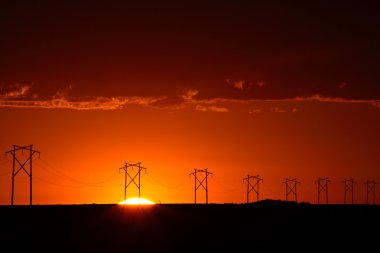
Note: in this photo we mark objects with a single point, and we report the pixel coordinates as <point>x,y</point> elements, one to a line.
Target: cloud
<point>97,103</point>
<point>189,94</point>
<point>15,91</point>
<point>272,110</point>
<point>320,98</point>
<point>218,109</point>
<point>203,108</point>
<point>239,84</point>
<point>22,96</point>
<point>188,100</point>
<point>62,94</point>
<point>244,85</point>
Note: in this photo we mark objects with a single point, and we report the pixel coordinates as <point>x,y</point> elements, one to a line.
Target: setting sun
<point>136,201</point>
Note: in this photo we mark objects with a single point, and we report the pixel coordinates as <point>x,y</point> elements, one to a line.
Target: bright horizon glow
<point>136,201</point>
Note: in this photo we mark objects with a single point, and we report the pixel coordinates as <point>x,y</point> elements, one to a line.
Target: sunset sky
<point>280,89</point>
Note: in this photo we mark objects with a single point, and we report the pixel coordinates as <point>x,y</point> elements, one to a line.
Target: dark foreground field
<point>263,227</point>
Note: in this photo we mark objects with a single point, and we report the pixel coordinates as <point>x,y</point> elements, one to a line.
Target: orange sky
<point>81,151</point>
<point>278,89</point>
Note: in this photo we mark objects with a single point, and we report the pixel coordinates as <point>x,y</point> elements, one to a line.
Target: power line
<point>199,183</point>
<point>291,188</point>
<point>55,184</point>
<point>222,186</point>
<point>371,190</point>
<point>162,185</point>
<point>349,188</point>
<point>14,153</point>
<point>254,186</point>
<point>323,187</point>
<point>126,167</point>
<point>53,171</point>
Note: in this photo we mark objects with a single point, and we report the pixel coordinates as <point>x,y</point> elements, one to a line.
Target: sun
<point>136,201</point>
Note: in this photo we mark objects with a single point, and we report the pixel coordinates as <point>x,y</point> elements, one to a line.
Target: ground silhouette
<point>265,226</point>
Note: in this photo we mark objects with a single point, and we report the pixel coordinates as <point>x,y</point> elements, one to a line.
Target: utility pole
<point>22,165</point>
<point>349,188</point>
<point>291,187</point>
<point>206,173</point>
<point>323,187</point>
<point>371,189</point>
<point>127,174</point>
<point>254,186</point>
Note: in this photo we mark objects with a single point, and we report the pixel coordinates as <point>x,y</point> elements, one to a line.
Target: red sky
<point>283,90</point>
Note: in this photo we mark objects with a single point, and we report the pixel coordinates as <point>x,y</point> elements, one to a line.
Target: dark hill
<point>266,226</point>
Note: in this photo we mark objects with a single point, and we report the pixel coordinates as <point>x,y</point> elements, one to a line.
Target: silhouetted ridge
<point>271,202</point>
<point>273,226</point>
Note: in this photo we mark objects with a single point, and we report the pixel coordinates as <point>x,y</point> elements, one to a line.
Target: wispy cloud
<point>15,91</point>
<point>239,84</point>
<point>202,105</point>
<point>320,98</point>
<point>203,108</point>
<point>20,96</point>
<point>96,103</point>
<point>189,94</point>
<point>23,96</point>
<point>243,84</point>
<point>64,93</point>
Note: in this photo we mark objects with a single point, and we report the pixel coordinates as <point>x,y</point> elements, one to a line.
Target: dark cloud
<point>266,49</point>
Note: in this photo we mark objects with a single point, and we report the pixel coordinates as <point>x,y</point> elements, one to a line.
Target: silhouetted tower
<point>253,186</point>
<point>371,189</point>
<point>348,188</point>
<point>205,173</point>
<point>291,187</point>
<point>22,165</point>
<point>126,168</point>
<point>323,187</point>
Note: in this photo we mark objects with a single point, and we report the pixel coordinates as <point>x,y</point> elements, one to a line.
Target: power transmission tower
<point>22,165</point>
<point>291,187</point>
<point>254,186</point>
<point>371,189</point>
<point>206,173</point>
<point>130,166</point>
<point>348,188</point>
<point>323,187</point>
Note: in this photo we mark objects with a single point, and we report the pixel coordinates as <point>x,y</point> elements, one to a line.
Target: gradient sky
<point>282,89</point>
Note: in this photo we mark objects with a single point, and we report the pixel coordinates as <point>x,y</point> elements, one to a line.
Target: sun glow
<point>136,201</point>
